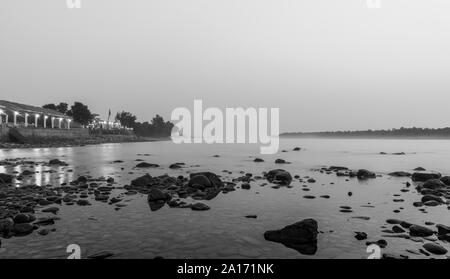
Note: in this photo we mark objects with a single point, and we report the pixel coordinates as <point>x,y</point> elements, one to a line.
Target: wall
<point>4,133</point>
<point>31,134</point>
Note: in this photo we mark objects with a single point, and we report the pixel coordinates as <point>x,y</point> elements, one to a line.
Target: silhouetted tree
<point>126,119</point>
<point>62,107</point>
<point>81,113</point>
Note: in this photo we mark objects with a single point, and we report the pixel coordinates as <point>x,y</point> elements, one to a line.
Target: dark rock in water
<point>301,236</point>
<point>400,174</point>
<point>325,196</point>
<point>57,162</point>
<point>446,180</point>
<point>245,186</point>
<point>157,195</point>
<point>156,205</point>
<point>337,168</point>
<point>280,161</point>
<point>434,184</point>
<point>251,216</point>
<point>200,206</point>
<point>6,226</point>
<point>5,178</point>
<point>365,174</point>
<point>296,149</point>
<point>83,202</point>
<point>101,255</point>
<point>46,221</point>
<point>23,229</point>
<point>258,160</point>
<point>212,180</point>
<point>311,180</point>
<point>360,235</point>
<point>420,231</point>
<point>144,180</point>
<point>393,221</point>
<point>147,165</point>
<point>279,176</point>
<point>200,180</point>
<point>428,198</point>
<point>53,210</point>
<point>397,229</point>
<point>422,176</point>
<point>442,229</point>
<point>309,197</point>
<point>434,248</point>
<point>43,232</point>
<point>24,218</point>
<point>431,203</point>
<point>175,166</point>
<point>444,237</point>
<point>382,243</point>
<point>419,169</point>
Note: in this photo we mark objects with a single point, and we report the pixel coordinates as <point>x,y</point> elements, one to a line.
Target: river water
<point>135,231</point>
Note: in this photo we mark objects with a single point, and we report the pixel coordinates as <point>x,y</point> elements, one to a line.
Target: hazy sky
<point>327,64</point>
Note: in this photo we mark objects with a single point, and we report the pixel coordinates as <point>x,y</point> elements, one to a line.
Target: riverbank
<point>97,139</point>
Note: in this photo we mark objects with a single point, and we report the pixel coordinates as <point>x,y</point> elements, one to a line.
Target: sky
<point>326,64</point>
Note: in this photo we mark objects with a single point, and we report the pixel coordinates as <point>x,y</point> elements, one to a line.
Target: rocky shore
<point>98,139</point>
<point>32,209</point>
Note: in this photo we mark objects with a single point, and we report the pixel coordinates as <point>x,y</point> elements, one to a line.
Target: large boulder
<point>434,184</point>
<point>301,236</point>
<point>427,198</point>
<point>157,195</point>
<point>145,180</point>
<point>435,249</point>
<point>442,229</point>
<point>146,165</point>
<point>279,176</point>
<point>400,174</point>
<point>420,231</point>
<point>6,178</point>
<point>446,180</point>
<point>212,180</point>
<point>424,176</point>
<point>365,174</point>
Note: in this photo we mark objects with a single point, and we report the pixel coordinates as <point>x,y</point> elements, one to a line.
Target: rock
<point>200,180</point>
<point>397,229</point>
<point>337,168</point>
<point>431,203</point>
<point>200,206</point>
<point>258,160</point>
<point>280,161</point>
<point>175,166</point>
<point>427,198</point>
<point>144,180</point>
<point>296,149</point>
<point>400,174</point>
<point>23,229</point>
<point>419,169</point>
<point>279,176</point>
<point>6,226</point>
<point>251,216</point>
<point>6,178</point>
<point>309,197</point>
<point>82,202</point>
<point>311,180</point>
<point>214,180</point>
<point>434,184</point>
<point>301,236</point>
<point>435,249</point>
<point>446,180</point>
<point>422,176</point>
<point>101,255</point>
<point>420,231</point>
<point>22,218</point>
<point>147,165</point>
<point>245,186</point>
<point>43,232</point>
<point>365,174</point>
<point>442,229</point>
<point>157,195</point>
<point>56,162</point>
<point>382,243</point>
<point>360,235</point>
<point>53,210</point>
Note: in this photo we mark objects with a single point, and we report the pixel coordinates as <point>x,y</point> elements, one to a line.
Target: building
<point>21,115</point>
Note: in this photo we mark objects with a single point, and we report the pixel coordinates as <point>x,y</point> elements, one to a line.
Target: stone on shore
<point>146,165</point>
<point>423,176</point>
<point>279,176</point>
<point>199,207</point>
<point>301,236</point>
<point>157,195</point>
<point>435,249</point>
<point>420,231</point>
<point>142,181</point>
<point>365,174</point>
<point>400,174</point>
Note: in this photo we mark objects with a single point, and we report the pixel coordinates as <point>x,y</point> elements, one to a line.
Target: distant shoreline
<point>365,137</point>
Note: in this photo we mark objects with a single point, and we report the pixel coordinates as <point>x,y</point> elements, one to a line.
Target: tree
<point>81,113</point>
<point>126,119</point>
<point>62,107</point>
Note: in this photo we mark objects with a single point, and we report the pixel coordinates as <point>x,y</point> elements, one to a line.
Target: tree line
<point>81,113</point>
<point>393,133</point>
